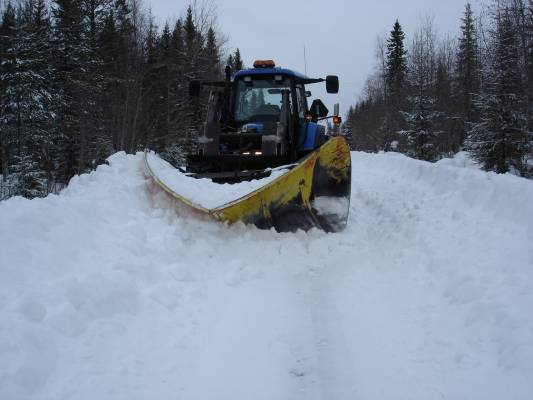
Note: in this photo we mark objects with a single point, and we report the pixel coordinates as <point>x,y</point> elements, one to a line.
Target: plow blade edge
<point>315,193</point>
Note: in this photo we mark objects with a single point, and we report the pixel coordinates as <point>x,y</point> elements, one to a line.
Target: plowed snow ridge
<point>195,190</point>
<point>106,293</point>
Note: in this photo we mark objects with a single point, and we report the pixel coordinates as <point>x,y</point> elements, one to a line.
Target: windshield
<point>260,99</point>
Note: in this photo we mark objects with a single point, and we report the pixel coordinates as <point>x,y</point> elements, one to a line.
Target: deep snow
<point>106,293</point>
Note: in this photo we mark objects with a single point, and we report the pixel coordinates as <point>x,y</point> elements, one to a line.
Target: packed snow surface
<point>204,192</point>
<point>107,293</point>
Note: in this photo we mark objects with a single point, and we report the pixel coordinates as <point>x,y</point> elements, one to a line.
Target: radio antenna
<point>305,62</point>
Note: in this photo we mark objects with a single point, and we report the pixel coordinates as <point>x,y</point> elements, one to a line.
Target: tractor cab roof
<point>270,71</point>
<point>298,77</point>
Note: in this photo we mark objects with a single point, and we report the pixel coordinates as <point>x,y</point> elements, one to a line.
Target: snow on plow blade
<point>315,193</point>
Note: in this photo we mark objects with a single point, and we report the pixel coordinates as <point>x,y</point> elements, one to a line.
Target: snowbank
<point>106,293</point>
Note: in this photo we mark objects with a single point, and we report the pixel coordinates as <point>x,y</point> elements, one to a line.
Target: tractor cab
<point>258,120</point>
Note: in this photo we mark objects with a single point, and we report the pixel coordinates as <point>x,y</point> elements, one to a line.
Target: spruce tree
<point>77,88</point>
<point>529,64</point>
<point>396,87</point>
<point>7,113</point>
<point>152,87</point>
<point>451,129</point>
<point>467,65</point>
<point>39,94</point>
<point>443,86</point>
<point>178,96</point>
<point>237,60</point>
<point>165,73</point>
<point>500,140</point>
<point>421,134</point>
<point>396,66</point>
<point>191,39</point>
<point>211,56</point>
<point>177,45</point>
<point>28,102</point>
<point>421,116</point>
<point>231,63</point>
<point>119,53</point>
<point>194,69</point>
<point>112,100</point>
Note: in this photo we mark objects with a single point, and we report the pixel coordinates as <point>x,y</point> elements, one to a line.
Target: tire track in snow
<point>254,344</point>
<point>335,375</point>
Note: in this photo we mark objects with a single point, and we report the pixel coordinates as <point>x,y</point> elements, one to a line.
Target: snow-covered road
<point>106,293</point>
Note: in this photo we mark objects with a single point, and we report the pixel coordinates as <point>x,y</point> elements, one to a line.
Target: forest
<point>82,79</point>
<point>432,96</point>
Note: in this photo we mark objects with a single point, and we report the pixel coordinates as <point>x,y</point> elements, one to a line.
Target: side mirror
<point>319,109</point>
<point>332,84</point>
<point>195,88</point>
<point>336,109</point>
<point>308,93</point>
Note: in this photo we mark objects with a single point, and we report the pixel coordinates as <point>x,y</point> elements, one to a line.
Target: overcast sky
<point>339,35</point>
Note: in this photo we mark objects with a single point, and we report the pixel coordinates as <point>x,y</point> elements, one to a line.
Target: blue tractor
<point>258,120</point>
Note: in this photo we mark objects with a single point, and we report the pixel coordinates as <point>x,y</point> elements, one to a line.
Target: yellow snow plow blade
<point>315,193</point>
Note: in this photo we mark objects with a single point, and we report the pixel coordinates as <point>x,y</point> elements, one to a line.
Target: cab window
<point>302,100</point>
<point>259,99</point>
